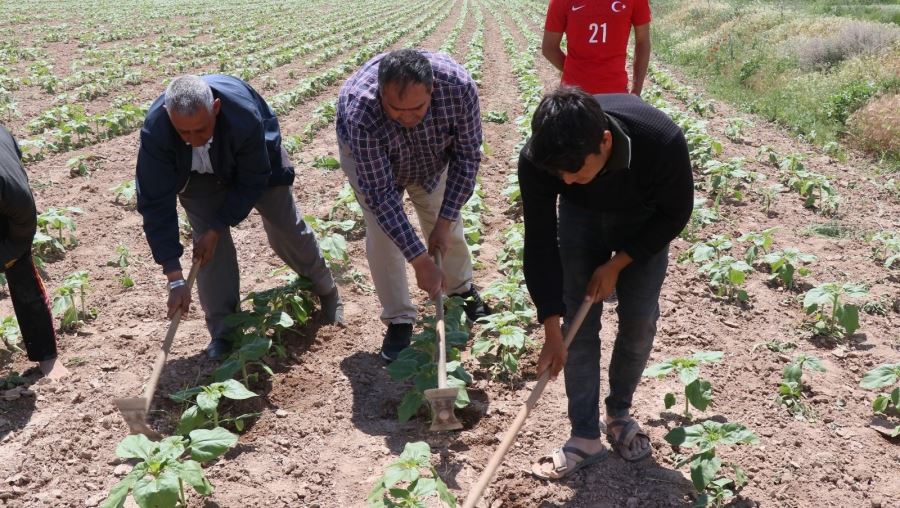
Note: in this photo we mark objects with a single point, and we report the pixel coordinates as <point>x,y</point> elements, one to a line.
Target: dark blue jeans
<point>587,239</point>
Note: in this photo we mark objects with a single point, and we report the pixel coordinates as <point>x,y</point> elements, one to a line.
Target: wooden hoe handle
<point>509,438</point>
<point>167,343</point>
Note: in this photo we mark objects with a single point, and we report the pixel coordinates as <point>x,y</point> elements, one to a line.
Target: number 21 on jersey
<point>597,29</point>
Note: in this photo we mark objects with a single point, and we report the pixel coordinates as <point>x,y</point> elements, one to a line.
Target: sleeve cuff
<point>545,310</point>
<point>172,265</point>
<point>414,251</point>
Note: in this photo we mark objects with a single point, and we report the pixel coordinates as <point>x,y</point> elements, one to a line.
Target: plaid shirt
<point>389,156</point>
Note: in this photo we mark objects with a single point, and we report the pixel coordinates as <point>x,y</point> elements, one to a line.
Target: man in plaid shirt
<point>409,121</point>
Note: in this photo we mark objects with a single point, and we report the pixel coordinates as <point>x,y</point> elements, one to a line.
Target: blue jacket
<point>245,155</point>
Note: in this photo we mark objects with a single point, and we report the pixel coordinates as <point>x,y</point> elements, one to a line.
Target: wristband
<point>176,284</point>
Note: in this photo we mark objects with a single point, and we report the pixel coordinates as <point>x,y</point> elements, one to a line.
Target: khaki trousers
<point>388,265</point>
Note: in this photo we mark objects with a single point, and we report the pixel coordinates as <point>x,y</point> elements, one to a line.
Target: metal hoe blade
<point>442,399</point>
<point>134,409</point>
<point>442,402</point>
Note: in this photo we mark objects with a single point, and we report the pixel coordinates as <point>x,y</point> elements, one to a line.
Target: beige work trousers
<point>388,265</point>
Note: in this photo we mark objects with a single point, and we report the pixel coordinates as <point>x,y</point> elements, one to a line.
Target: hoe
<point>442,399</point>
<point>134,409</point>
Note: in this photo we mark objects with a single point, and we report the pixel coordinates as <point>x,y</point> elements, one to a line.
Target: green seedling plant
<point>884,376</point>
<point>124,193</point>
<point>697,391</point>
<point>760,243</point>
<point>702,251</point>
<point>726,276</point>
<point>12,380</point>
<point>417,362</point>
<point>203,411</point>
<point>701,216</point>
<point>790,391</point>
<point>496,117</point>
<point>501,342</point>
<point>122,261</point>
<point>785,264</point>
<point>725,179</point>
<point>507,294</point>
<point>410,481</point>
<point>326,162</point>
<point>164,467</point>
<point>345,206</point>
<point>714,488</point>
<point>55,224</point>
<point>10,336</point>
<point>833,316</point>
<point>735,127</point>
<point>768,195</point>
<point>887,248</point>
<point>69,299</point>
<point>331,240</point>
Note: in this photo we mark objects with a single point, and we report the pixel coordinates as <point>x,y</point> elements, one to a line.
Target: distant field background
<point>828,70</point>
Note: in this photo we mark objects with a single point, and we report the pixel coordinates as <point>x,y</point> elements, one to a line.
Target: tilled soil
<point>328,423</point>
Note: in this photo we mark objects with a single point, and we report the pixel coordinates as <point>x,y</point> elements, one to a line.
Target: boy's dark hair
<point>567,126</point>
<point>404,67</point>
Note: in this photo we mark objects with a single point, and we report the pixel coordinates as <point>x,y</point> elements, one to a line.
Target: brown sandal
<point>629,432</point>
<point>561,462</point>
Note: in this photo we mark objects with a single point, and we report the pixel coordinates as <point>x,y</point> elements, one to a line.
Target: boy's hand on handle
<point>605,277</point>
<point>554,353</point>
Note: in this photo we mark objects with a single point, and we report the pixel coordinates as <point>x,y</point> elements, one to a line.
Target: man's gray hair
<point>186,94</point>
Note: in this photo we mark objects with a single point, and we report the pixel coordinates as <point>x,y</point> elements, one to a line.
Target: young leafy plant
<point>417,362</point>
<point>410,481</point>
<point>158,479</point>
<point>501,341</point>
<point>760,243</point>
<point>843,318</point>
<point>768,195</point>
<point>714,489</point>
<point>10,336</point>
<point>204,410</point>
<point>122,261</point>
<point>697,391</point>
<point>790,391</point>
<point>884,376</point>
<point>726,276</point>
<point>68,297</point>
<point>888,248</point>
<point>784,264</point>
<point>124,193</point>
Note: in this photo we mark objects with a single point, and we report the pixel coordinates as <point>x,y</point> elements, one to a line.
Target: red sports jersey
<point>597,34</point>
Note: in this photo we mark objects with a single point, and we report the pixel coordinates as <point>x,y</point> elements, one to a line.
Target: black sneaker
<point>218,348</point>
<point>475,307</point>
<point>396,339</point>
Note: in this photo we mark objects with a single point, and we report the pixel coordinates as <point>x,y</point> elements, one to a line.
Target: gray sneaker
<point>332,308</point>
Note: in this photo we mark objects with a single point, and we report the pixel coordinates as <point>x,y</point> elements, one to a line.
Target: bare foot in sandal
<point>575,454</point>
<point>627,438</point>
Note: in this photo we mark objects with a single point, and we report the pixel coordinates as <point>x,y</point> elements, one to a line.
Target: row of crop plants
<point>829,305</point>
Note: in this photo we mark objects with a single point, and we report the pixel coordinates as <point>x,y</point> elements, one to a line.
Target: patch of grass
<point>832,229</point>
<point>787,62</point>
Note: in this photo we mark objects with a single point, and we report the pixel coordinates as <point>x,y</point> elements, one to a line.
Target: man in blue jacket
<point>215,144</point>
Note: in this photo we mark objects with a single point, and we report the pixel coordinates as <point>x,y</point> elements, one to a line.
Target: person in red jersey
<point>597,34</point>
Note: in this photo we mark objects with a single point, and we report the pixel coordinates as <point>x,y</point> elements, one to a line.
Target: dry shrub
<point>854,38</point>
<point>876,126</point>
